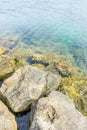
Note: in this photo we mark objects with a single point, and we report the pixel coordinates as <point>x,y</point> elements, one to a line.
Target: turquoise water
<point>54,26</point>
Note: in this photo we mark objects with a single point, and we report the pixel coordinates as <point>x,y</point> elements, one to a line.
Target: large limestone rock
<point>7,120</point>
<point>26,85</point>
<point>56,112</point>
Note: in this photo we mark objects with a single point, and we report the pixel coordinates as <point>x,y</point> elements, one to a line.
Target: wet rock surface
<point>67,70</point>
<point>26,85</point>
<point>6,67</point>
<point>76,89</point>
<point>7,120</point>
<point>56,112</point>
<point>2,50</point>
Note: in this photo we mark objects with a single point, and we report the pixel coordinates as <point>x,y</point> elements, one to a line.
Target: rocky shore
<point>50,87</point>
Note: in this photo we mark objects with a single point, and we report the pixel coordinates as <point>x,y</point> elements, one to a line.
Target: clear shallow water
<point>59,25</point>
<point>57,20</point>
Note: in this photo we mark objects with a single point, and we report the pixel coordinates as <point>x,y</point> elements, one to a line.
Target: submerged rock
<point>2,50</point>
<point>6,67</point>
<point>7,120</point>
<point>81,102</point>
<point>9,65</point>
<point>56,64</point>
<point>26,85</point>
<point>76,89</point>
<point>66,70</point>
<point>56,112</point>
<point>9,41</point>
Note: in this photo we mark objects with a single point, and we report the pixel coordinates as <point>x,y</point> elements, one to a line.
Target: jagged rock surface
<point>6,67</point>
<point>26,85</point>
<point>56,112</point>
<point>7,120</point>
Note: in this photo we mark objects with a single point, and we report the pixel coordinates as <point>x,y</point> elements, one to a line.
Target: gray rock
<point>56,112</point>
<point>26,85</point>
<point>7,120</point>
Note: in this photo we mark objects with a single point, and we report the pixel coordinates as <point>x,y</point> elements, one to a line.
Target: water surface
<point>48,24</point>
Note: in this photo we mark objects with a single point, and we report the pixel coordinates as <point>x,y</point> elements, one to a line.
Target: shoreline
<point>72,76</point>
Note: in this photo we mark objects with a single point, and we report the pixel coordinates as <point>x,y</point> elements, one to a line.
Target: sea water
<point>48,26</point>
<point>55,26</point>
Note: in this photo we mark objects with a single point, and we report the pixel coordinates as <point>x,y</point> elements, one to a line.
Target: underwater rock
<point>26,85</point>
<point>67,70</point>
<point>9,41</point>
<point>81,102</point>
<point>20,52</point>
<point>56,64</point>
<point>39,66</point>
<point>7,120</point>
<point>76,89</point>
<point>9,65</point>
<point>18,63</point>
<point>6,67</point>
<point>2,50</point>
<point>56,112</point>
<point>48,59</point>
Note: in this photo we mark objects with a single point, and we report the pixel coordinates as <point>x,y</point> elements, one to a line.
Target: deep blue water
<point>49,26</point>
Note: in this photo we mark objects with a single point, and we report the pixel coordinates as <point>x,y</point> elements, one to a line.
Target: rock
<point>56,64</point>
<point>81,102</point>
<point>76,89</point>
<point>39,66</point>
<point>67,70</point>
<point>9,41</point>
<point>7,120</point>
<point>2,50</point>
<point>56,112</point>
<point>26,85</point>
<point>9,65</point>
<point>6,67</point>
